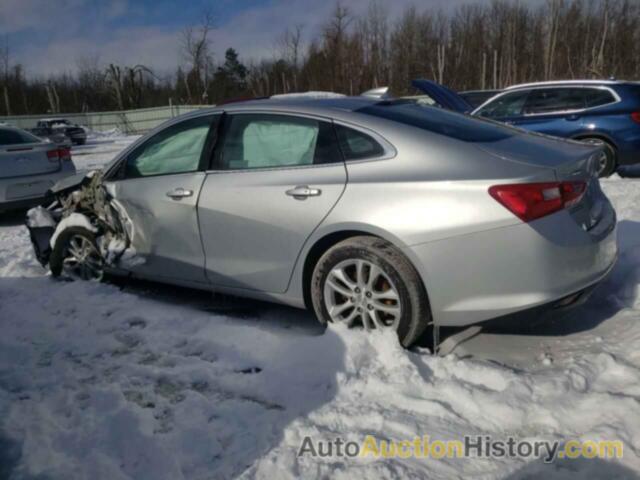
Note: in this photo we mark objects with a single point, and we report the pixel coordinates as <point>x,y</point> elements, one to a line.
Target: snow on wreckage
<point>82,230</point>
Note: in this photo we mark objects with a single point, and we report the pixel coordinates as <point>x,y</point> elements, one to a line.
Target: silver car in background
<point>29,166</point>
<point>385,214</point>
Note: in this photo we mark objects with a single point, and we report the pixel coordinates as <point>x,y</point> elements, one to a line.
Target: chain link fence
<point>126,121</point>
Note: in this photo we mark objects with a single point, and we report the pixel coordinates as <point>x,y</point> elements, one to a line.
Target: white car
<point>29,166</point>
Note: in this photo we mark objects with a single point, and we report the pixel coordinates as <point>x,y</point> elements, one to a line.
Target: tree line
<point>474,46</point>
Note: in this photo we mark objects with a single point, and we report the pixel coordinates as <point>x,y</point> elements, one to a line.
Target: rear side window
<point>16,137</point>
<point>253,141</point>
<point>596,97</point>
<point>356,145</point>
<point>439,121</point>
<point>550,100</point>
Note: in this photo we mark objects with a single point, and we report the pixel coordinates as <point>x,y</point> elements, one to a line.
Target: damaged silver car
<point>385,214</point>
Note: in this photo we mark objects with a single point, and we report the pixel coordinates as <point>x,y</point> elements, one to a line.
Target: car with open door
<point>379,214</point>
<point>603,112</point>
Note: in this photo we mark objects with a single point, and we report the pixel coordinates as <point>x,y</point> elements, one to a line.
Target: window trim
<point>615,95</point>
<point>215,165</point>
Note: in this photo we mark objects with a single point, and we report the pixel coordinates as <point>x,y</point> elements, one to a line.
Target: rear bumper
<point>36,187</point>
<point>481,276</point>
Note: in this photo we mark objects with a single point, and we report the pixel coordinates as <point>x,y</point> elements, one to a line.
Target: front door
<point>158,191</point>
<point>276,179</point>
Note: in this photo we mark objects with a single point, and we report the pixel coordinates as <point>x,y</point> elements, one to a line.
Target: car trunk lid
<point>570,160</point>
<point>28,159</point>
<point>443,96</point>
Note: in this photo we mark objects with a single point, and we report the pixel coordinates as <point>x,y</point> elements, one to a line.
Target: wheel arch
<point>598,135</point>
<point>329,239</point>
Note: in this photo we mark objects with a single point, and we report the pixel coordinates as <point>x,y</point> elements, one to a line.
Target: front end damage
<point>81,201</point>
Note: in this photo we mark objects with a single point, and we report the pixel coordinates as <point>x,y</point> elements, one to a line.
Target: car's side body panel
<point>252,231</point>
<point>163,231</point>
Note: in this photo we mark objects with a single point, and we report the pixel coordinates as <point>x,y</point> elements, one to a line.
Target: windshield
<point>436,120</point>
<point>10,136</point>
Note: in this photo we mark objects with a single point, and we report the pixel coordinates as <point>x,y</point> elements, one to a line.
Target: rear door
<point>276,177</point>
<point>554,111</point>
<point>157,187</point>
<point>22,154</point>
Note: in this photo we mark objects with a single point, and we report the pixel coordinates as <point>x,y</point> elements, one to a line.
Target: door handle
<point>301,192</point>
<point>178,193</point>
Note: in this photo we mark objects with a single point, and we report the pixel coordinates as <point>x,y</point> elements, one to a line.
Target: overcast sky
<point>53,35</point>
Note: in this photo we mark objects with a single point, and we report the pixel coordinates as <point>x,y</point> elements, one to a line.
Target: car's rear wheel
<point>76,256</point>
<point>366,281</point>
<point>608,159</point>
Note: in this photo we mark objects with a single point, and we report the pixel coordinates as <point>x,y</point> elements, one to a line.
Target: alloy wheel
<point>82,260</point>
<point>358,290</point>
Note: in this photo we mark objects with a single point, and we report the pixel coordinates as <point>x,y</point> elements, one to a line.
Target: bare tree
<point>5,64</point>
<point>196,48</point>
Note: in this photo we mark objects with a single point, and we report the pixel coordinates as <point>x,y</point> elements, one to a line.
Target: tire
<point>609,161</point>
<point>396,276</point>
<point>61,252</point>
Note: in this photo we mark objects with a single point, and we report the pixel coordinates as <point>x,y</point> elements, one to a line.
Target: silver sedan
<point>384,214</point>
<point>29,166</point>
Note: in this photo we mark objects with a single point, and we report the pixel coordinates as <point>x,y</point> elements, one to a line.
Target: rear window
<point>443,122</point>
<point>16,137</point>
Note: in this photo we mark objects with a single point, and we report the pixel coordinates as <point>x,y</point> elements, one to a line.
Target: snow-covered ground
<point>142,381</point>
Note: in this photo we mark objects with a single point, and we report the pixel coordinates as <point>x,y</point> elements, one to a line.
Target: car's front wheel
<point>76,256</point>
<point>367,281</point>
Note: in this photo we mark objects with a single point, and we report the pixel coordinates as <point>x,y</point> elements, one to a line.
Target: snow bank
<point>146,383</point>
<point>40,217</point>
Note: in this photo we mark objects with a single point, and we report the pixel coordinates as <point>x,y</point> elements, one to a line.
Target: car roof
<point>561,83</point>
<point>327,107</point>
<point>489,90</point>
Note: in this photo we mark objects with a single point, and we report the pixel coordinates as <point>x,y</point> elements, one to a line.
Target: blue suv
<point>599,111</point>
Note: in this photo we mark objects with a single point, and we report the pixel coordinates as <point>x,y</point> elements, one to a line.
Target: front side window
<point>550,100</point>
<point>507,105</point>
<point>254,141</point>
<point>176,149</point>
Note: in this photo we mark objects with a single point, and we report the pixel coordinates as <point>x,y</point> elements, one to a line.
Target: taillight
<point>635,116</point>
<point>529,201</point>
<point>53,156</point>
<point>62,154</point>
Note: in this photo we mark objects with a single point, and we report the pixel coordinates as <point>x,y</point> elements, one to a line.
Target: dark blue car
<point>602,111</point>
